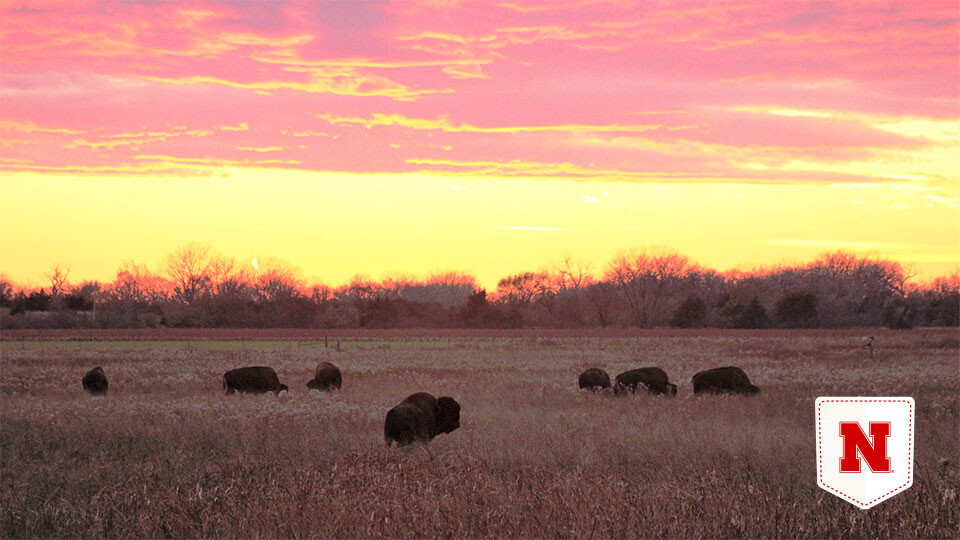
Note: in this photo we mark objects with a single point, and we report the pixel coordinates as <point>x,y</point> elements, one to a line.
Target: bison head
<point>448,414</point>
<point>751,390</point>
<point>672,389</point>
<point>283,388</point>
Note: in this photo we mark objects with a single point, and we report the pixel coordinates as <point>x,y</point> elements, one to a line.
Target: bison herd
<point>418,418</point>
<point>421,416</point>
<point>653,380</point>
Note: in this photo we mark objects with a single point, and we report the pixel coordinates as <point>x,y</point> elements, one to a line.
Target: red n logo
<point>873,451</point>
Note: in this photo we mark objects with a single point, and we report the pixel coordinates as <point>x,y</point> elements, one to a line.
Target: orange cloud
<point>442,123</point>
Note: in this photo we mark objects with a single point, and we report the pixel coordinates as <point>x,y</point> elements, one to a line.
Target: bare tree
<point>321,293</point>
<point>453,278</point>
<point>572,273</point>
<point>6,291</point>
<point>277,279</point>
<point>644,278</point>
<point>137,284</point>
<point>189,269</point>
<point>228,275</point>
<point>394,284</point>
<point>59,282</point>
<point>602,296</point>
<point>521,289</point>
<point>361,287</point>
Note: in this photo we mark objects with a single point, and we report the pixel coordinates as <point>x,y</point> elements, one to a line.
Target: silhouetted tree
<point>521,289</point>
<point>645,288</point>
<point>136,284</point>
<point>227,275</point>
<point>476,312</point>
<point>58,277</point>
<point>35,301</point>
<point>6,294</point>
<point>360,288</point>
<point>942,301</point>
<point>750,315</point>
<point>647,279</point>
<point>601,298</point>
<point>189,269</point>
<point>690,313</point>
<point>898,314</point>
<point>943,310</point>
<point>480,313</point>
<point>797,310</point>
<point>77,302</point>
<point>572,274</point>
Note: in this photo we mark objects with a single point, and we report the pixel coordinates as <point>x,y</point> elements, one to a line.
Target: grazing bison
<point>256,380</point>
<point>652,379</point>
<point>594,379</point>
<point>724,380</point>
<point>420,418</point>
<point>327,377</point>
<point>95,381</point>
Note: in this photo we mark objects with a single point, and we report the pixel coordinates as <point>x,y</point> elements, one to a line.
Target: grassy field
<point>165,454</point>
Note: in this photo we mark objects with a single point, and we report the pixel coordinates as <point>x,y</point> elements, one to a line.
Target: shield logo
<point>865,447</point>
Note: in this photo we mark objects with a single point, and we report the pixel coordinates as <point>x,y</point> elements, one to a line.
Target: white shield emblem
<point>865,447</point>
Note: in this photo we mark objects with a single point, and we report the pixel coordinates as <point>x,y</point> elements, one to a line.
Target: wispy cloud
<point>827,244</point>
<point>530,228</point>
<point>738,92</point>
<point>532,107</point>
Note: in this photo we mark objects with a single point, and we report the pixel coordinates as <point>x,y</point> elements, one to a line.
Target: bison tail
<point>388,437</point>
<point>391,428</point>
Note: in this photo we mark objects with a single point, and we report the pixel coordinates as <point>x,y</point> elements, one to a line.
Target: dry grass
<point>167,455</point>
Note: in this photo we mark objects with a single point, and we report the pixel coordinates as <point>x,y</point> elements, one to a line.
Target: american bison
<point>594,379</point>
<point>420,418</point>
<point>95,381</point>
<point>327,377</point>
<point>652,379</point>
<point>256,380</point>
<point>723,380</point>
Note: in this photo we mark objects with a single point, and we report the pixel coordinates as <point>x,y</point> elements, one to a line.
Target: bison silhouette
<point>254,380</point>
<point>95,381</point>
<point>420,418</point>
<point>723,380</point>
<point>326,377</point>
<point>594,379</point>
<point>652,379</point>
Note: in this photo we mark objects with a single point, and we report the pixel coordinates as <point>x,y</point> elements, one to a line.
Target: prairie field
<point>166,454</point>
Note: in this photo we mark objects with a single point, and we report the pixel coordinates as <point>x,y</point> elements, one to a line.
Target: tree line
<point>196,287</point>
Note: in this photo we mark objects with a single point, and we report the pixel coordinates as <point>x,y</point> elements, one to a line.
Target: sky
<point>378,137</point>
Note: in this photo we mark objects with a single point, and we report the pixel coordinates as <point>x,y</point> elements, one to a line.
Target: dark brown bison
<point>594,379</point>
<point>95,381</point>
<point>723,380</point>
<point>420,418</point>
<point>652,379</point>
<point>255,380</point>
<point>327,377</point>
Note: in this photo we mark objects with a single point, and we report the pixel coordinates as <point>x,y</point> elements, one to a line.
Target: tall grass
<point>165,454</point>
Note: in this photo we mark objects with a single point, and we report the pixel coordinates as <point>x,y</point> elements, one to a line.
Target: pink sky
<point>764,93</point>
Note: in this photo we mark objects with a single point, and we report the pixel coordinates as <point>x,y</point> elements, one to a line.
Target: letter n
<point>873,451</point>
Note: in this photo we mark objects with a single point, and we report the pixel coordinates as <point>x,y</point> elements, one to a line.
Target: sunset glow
<point>376,137</point>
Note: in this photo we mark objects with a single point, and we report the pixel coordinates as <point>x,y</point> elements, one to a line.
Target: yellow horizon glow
<point>337,225</point>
